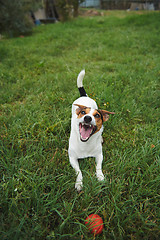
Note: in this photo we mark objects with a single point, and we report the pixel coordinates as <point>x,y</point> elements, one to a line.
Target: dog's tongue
<point>85,131</point>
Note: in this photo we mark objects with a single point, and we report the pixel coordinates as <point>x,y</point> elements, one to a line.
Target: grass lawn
<point>121,56</point>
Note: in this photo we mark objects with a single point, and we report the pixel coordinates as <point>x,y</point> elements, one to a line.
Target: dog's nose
<point>87,119</point>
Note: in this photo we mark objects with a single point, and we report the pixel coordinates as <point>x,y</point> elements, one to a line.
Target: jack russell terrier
<point>86,132</point>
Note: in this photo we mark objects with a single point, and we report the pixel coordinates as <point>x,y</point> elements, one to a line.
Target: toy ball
<point>94,223</point>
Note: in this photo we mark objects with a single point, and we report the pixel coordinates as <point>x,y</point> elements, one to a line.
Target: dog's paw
<point>79,186</point>
<point>79,183</point>
<point>100,175</point>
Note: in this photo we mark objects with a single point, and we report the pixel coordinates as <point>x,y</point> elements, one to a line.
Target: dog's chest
<point>88,150</point>
<point>80,149</point>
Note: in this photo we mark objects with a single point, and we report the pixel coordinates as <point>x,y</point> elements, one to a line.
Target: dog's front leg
<point>74,163</point>
<point>99,174</point>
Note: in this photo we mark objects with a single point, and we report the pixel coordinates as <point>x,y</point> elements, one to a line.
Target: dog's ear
<point>79,109</point>
<point>80,106</point>
<point>105,114</point>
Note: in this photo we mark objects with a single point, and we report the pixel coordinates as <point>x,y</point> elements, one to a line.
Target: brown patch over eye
<point>82,110</point>
<point>97,115</point>
<point>98,120</point>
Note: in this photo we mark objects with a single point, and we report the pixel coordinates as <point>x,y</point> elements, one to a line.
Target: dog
<point>86,132</point>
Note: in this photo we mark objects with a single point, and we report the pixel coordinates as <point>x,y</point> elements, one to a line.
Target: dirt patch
<point>90,12</point>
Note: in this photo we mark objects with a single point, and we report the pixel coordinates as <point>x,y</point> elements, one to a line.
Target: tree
<point>67,8</point>
<point>75,4</point>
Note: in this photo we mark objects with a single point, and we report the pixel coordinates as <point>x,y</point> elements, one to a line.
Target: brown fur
<point>80,109</point>
<point>98,120</point>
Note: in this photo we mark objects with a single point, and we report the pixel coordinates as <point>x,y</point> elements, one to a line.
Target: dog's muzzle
<point>86,129</point>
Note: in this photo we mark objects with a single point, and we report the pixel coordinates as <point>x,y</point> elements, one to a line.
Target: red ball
<point>94,223</point>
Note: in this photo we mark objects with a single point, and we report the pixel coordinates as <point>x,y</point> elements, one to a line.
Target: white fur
<point>80,79</point>
<point>91,148</point>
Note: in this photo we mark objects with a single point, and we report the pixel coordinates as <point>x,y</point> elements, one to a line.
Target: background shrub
<point>14,16</point>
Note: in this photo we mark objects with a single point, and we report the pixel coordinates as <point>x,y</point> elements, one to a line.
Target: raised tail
<point>80,84</point>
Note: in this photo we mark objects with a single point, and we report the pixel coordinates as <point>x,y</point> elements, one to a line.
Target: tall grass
<point>121,56</point>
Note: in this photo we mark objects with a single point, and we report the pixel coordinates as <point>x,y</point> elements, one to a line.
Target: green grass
<point>121,55</point>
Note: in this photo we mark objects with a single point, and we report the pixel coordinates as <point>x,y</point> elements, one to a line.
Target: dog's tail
<point>80,84</point>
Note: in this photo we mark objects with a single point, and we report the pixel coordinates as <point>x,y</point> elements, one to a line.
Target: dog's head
<point>90,120</point>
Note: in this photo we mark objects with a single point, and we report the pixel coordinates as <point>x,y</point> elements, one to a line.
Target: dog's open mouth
<point>86,131</point>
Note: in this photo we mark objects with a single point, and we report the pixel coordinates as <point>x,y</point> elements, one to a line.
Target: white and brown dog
<point>86,130</point>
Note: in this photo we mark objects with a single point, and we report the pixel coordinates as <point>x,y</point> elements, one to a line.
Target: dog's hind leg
<point>74,163</point>
<point>99,174</point>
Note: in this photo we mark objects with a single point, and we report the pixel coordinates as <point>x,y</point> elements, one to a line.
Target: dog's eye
<point>83,112</point>
<point>97,115</point>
